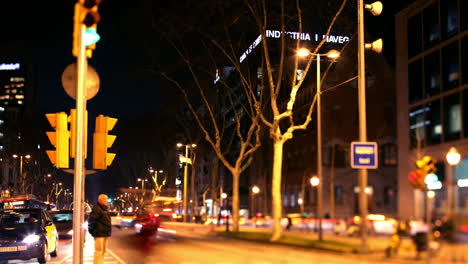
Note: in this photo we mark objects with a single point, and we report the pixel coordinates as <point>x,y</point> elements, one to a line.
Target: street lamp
<point>375,8</point>
<point>186,160</point>
<point>315,182</point>
<point>332,54</point>
<point>27,156</point>
<point>255,190</point>
<point>143,190</point>
<point>224,197</point>
<point>453,158</point>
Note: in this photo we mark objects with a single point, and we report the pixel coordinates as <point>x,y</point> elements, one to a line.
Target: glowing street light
<point>186,160</point>
<point>453,158</point>
<point>314,181</point>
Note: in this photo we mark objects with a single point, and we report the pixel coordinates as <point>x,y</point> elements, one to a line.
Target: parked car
<point>27,234</point>
<point>147,223</point>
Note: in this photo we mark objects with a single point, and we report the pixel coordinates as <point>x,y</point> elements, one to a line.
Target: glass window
<point>452,117</point>
<point>465,112</point>
<point>449,16</point>
<point>389,154</point>
<point>464,57</point>
<point>432,74</point>
<point>416,117</point>
<point>431,25</point>
<point>463,15</point>
<point>338,194</point>
<point>433,123</point>
<point>414,35</point>
<point>415,82</point>
<point>451,74</point>
<point>388,195</point>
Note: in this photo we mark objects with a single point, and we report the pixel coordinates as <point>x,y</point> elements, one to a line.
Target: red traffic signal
<point>416,179</point>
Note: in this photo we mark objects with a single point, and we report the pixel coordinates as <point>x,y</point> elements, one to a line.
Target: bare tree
<point>234,148</point>
<point>282,122</point>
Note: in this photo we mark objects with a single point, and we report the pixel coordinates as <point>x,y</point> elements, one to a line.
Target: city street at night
<point>234,132</point>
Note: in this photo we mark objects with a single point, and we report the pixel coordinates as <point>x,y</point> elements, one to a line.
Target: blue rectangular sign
<point>364,155</point>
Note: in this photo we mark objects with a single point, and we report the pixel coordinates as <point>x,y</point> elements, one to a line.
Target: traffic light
<point>417,180</point>
<point>426,168</point>
<point>59,139</point>
<point>72,121</point>
<point>427,164</point>
<point>102,141</point>
<point>86,13</point>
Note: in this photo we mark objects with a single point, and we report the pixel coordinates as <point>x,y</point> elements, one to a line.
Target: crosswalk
<point>88,254</point>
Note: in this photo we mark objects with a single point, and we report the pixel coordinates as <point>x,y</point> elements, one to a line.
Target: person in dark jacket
<point>99,226</point>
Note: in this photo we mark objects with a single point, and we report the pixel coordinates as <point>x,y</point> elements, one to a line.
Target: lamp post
<point>453,158</point>
<point>375,8</point>
<point>27,156</point>
<point>255,190</point>
<point>186,160</point>
<point>142,188</point>
<point>332,54</point>
<point>315,182</point>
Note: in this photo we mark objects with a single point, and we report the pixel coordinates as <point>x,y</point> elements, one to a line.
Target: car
<point>147,223</point>
<point>27,234</point>
<point>63,220</point>
<point>128,219</point>
<point>116,220</point>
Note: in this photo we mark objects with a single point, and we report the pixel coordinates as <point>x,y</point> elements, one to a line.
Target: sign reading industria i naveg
<point>364,155</point>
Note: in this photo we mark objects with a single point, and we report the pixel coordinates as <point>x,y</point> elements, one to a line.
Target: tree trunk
<point>193,194</point>
<point>235,200</point>
<point>214,186</point>
<point>276,188</point>
<point>332,184</point>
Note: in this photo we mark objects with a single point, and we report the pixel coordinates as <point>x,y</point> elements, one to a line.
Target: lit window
<point>20,102</point>
<point>13,91</point>
<point>2,109</point>
<point>19,96</point>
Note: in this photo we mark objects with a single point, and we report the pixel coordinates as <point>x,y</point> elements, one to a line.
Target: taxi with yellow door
<point>26,234</point>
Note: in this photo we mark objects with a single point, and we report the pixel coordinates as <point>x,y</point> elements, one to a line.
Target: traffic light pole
<point>78,187</point>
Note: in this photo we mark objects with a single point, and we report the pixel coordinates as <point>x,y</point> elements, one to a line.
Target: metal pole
<point>450,191</point>
<point>362,123</point>
<point>79,156</point>
<point>21,174</point>
<point>319,150</point>
<point>185,183</point>
<point>227,214</point>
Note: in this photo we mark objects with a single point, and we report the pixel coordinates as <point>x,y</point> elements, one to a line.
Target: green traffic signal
<point>90,37</point>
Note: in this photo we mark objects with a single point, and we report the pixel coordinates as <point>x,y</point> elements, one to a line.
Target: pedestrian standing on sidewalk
<point>99,226</point>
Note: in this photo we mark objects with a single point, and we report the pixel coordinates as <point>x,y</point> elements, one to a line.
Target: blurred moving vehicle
<point>63,221</point>
<point>119,220</point>
<point>147,223</point>
<point>27,234</point>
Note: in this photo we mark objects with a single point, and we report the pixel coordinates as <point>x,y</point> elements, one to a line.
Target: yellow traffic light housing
<point>72,121</point>
<point>86,13</point>
<point>102,141</point>
<point>59,139</point>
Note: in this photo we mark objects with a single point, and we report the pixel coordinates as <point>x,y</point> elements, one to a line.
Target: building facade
<point>432,97</point>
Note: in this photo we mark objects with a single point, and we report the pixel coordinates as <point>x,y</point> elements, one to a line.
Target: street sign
<point>69,81</point>
<point>364,155</point>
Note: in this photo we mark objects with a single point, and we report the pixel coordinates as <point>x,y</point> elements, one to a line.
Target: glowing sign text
<point>9,66</point>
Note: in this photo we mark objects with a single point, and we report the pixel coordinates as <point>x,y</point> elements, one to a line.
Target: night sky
<point>43,31</point>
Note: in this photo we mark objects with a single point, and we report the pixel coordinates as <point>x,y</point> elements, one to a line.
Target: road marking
<point>116,257</point>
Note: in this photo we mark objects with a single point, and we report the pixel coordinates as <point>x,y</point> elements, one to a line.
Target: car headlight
<point>70,232</point>
<point>31,239</point>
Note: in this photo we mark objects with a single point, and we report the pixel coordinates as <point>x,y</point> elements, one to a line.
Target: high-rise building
<point>432,98</point>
